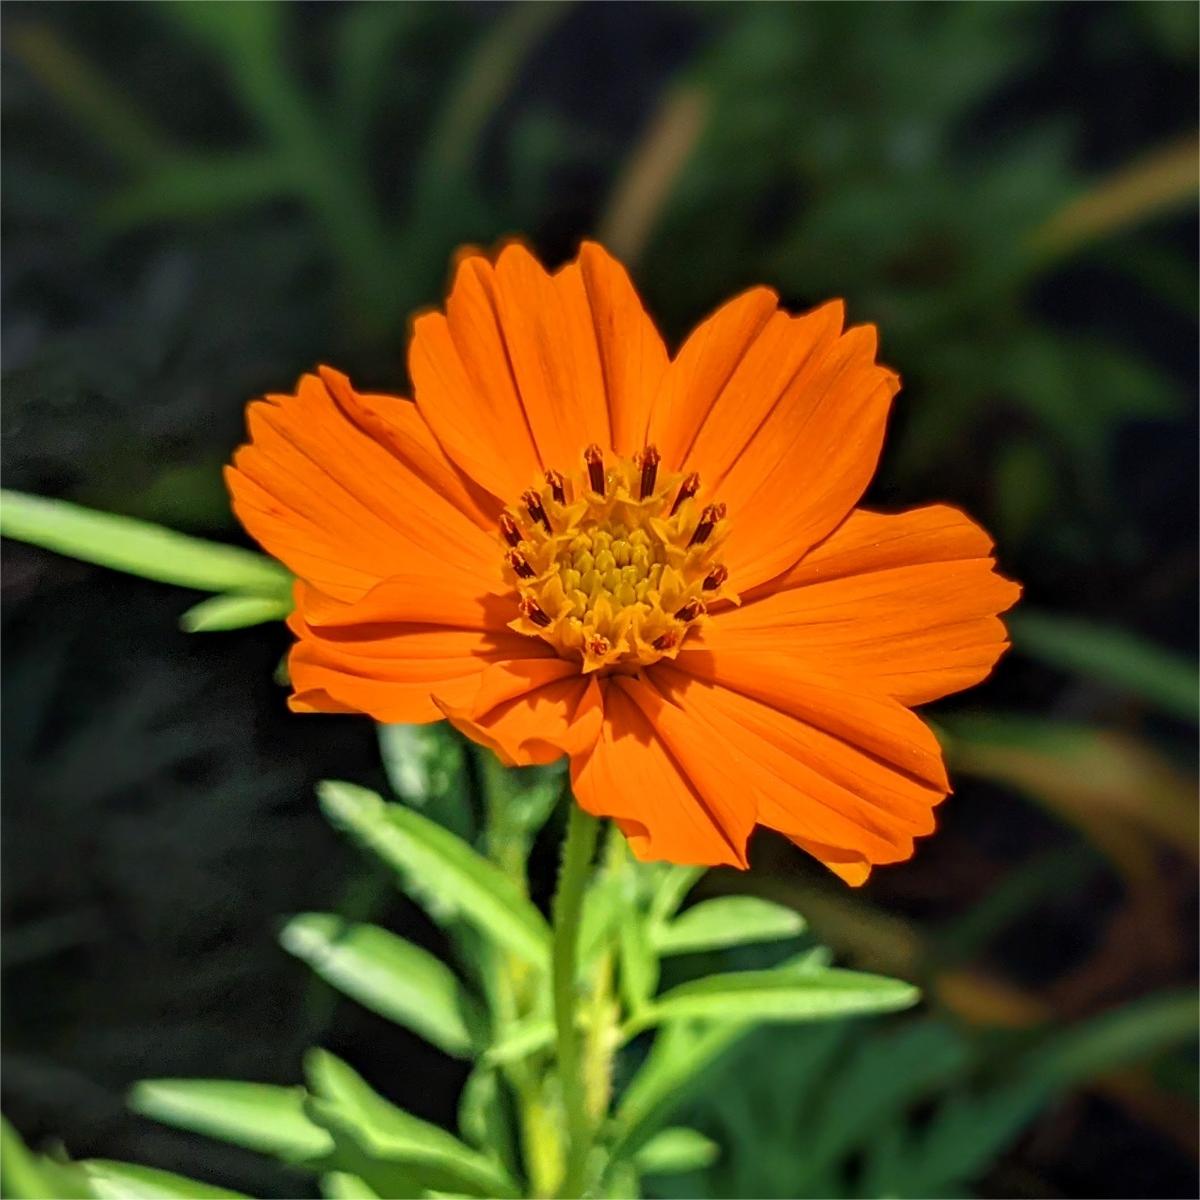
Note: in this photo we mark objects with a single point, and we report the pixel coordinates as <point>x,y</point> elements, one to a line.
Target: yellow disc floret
<point>614,565</point>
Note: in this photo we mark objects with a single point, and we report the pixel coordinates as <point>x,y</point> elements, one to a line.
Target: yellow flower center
<point>614,565</point>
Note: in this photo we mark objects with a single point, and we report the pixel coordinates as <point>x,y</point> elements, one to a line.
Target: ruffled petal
<point>387,654</point>
<point>904,604</point>
<point>348,490</point>
<point>633,775</point>
<point>532,711</point>
<point>782,418</point>
<point>526,369</point>
<point>849,777</point>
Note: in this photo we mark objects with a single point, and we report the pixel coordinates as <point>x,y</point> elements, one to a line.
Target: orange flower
<point>572,543</point>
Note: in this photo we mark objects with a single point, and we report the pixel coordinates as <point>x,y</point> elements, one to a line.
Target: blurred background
<point>203,201</point>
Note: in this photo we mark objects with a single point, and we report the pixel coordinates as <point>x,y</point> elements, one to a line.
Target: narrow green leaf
<point>25,1175</point>
<point>780,996</point>
<point>130,1181</point>
<point>440,1160</point>
<point>139,547</point>
<point>388,975</point>
<point>727,921</point>
<point>1111,656</point>
<point>672,890</point>
<point>639,962</point>
<point>520,1041</point>
<point>674,1150</point>
<point>485,1118</point>
<point>425,767</point>
<point>341,1185</point>
<point>228,611</point>
<point>259,1116</point>
<point>440,870</point>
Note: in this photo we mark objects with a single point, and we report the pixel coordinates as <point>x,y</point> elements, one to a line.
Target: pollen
<point>615,562</point>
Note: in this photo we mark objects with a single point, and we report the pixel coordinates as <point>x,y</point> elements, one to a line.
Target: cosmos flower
<point>570,542</point>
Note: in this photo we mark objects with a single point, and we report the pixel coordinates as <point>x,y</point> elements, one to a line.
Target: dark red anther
<point>649,459</point>
<point>510,530</point>
<point>716,577</point>
<point>599,646</point>
<point>532,610</point>
<point>558,488</point>
<point>665,641</point>
<point>517,561</point>
<point>687,489</point>
<point>708,518</point>
<point>533,502</point>
<point>690,611</point>
<point>594,457</point>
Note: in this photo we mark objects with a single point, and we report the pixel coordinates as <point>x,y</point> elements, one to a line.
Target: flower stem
<point>578,848</point>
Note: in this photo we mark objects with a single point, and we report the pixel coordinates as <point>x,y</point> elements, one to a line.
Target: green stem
<point>578,848</point>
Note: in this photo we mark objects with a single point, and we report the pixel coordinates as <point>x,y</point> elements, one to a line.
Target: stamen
<point>594,457</point>
<point>708,519</point>
<point>649,460</point>
<point>532,610</point>
<point>687,489</point>
<point>533,502</point>
<point>599,646</point>
<point>516,560</point>
<point>666,641</point>
<point>510,530</point>
<point>557,486</point>
<point>716,577</point>
<point>690,611</point>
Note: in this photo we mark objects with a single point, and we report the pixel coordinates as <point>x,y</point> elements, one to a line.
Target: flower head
<point>569,542</point>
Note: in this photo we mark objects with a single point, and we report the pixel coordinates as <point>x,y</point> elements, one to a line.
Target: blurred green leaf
<point>639,962</point>
<point>1111,656</point>
<point>340,1185</point>
<point>674,1150</point>
<point>671,889</point>
<point>199,187</point>
<point>437,1158</point>
<point>520,1040</point>
<point>125,544</point>
<point>425,766</point>
<point>440,870</point>
<point>388,975</point>
<point>25,1175</point>
<point>727,921</point>
<point>220,613</point>
<point>258,1116</point>
<point>483,1116</point>
<point>780,995</point>
<point>129,1181</point>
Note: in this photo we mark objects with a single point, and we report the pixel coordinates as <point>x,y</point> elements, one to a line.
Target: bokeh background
<point>203,201</point>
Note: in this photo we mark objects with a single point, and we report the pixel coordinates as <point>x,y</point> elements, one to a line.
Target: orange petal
<point>632,356</point>
<point>631,775</point>
<point>389,670</point>
<point>526,369</point>
<point>853,787</point>
<point>342,503</point>
<point>906,603</point>
<point>783,419</point>
<point>532,711</point>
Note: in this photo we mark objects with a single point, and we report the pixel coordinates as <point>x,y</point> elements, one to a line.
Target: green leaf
<point>138,547</point>
<point>674,1150</point>
<point>639,962</point>
<point>351,1109</point>
<point>388,975</point>
<point>425,767</point>
<point>521,1040</point>
<point>440,870</point>
<point>259,1116</point>
<point>727,921</point>
<point>1111,656</point>
<point>673,887</point>
<point>780,996</point>
<point>341,1185</point>
<point>230,611</point>
<point>130,1181</point>
<point>25,1175</point>
<point>484,1116</point>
